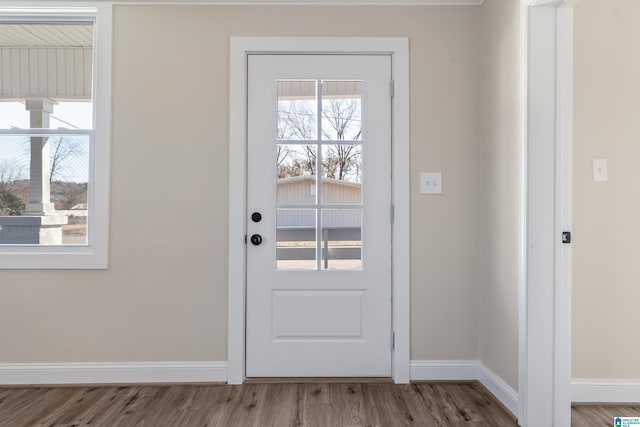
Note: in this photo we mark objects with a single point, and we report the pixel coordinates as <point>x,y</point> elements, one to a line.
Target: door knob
<point>256,239</point>
<point>256,217</point>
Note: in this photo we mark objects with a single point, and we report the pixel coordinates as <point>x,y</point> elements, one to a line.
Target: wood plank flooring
<point>601,415</point>
<point>264,405</point>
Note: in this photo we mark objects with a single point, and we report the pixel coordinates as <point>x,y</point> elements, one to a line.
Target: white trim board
<point>590,391</point>
<point>546,71</point>
<point>68,3</point>
<point>466,370</point>
<point>196,372</point>
<point>605,391</point>
<point>314,2</point>
<point>94,255</point>
<point>240,47</point>
<point>112,373</point>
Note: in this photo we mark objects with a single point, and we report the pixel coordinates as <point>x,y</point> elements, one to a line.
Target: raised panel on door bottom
<point>317,314</point>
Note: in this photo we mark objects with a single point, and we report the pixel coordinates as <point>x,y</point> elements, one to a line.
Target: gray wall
<point>165,296</point>
<point>500,174</point>
<point>606,271</point>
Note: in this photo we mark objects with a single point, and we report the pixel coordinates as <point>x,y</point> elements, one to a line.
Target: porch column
<point>39,187</point>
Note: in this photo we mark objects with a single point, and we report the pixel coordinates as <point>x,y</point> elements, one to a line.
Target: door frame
<point>546,53</point>
<point>398,49</point>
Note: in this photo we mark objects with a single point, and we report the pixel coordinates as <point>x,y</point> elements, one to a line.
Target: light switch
<point>431,183</point>
<point>600,173</point>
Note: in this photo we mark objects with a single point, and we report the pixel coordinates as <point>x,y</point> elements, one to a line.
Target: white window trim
<point>96,254</point>
<point>240,47</point>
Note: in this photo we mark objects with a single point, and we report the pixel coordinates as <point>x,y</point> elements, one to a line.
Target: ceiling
<point>46,35</point>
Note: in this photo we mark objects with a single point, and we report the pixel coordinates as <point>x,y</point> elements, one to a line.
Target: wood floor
<point>601,415</point>
<point>274,404</point>
<point>291,404</point>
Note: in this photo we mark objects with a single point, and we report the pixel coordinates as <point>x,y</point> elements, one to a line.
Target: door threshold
<point>317,380</point>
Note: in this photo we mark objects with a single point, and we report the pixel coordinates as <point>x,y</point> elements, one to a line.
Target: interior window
<point>52,181</point>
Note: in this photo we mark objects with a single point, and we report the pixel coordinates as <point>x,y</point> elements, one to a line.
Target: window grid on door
<point>319,150</point>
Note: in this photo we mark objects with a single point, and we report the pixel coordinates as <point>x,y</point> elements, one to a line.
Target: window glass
<point>55,132</point>
<point>319,166</point>
<point>342,239</point>
<point>297,110</point>
<point>296,239</point>
<point>46,83</point>
<point>341,110</point>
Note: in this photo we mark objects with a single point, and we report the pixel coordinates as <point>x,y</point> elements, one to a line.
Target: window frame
<point>94,255</point>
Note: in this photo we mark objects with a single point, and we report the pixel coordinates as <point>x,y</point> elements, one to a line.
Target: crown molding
<point>534,3</point>
<point>81,3</point>
<point>311,2</point>
<point>549,3</point>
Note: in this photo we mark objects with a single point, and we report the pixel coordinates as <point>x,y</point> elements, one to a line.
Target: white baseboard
<point>122,373</point>
<point>466,370</point>
<point>105,373</point>
<point>431,370</point>
<point>500,389</point>
<point>605,391</point>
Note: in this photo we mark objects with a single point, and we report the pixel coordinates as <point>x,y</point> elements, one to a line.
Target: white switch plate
<point>431,183</point>
<point>600,172</point>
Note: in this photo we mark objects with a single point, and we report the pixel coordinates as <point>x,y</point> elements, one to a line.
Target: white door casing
<point>329,316</point>
<point>241,47</point>
<point>544,393</point>
<point>529,398</point>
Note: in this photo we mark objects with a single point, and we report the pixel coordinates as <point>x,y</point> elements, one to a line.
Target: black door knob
<point>256,217</point>
<point>256,239</point>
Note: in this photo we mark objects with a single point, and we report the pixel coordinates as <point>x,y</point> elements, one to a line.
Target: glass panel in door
<point>319,131</point>
<point>341,239</point>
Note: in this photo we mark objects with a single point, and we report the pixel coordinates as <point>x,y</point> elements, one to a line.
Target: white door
<point>319,216</point>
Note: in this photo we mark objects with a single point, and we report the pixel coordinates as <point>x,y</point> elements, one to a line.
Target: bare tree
<point>310,158</point>
<point>341,160</point>
<point>73,195</point>
<point>297,121</point>
<point>13,194</point>
<point>343,118</point>
<point>300,160</point>
<point>62,151</point>
<point>341,121</point>
<point>282,151</point>
<point>291,169</point>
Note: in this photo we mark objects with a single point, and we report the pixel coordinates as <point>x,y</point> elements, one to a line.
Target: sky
<point>77,115</point>
<point>69,115</point>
